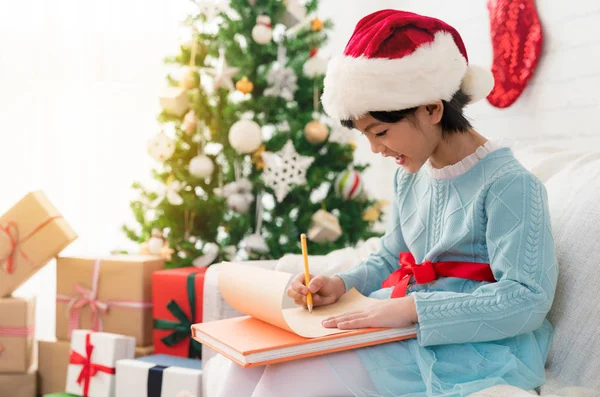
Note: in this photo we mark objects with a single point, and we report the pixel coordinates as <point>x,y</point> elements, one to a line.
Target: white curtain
<point>79,85</point>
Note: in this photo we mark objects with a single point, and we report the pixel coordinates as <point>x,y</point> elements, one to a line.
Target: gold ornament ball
<point>244,85</point>
<point>316,132</point>
<point>191,79</point>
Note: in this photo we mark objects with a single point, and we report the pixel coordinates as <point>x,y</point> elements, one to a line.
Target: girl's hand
<point>389,313</point>
<point>325,290</point>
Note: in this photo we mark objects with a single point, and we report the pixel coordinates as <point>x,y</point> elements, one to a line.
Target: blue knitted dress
<point>471,334</point>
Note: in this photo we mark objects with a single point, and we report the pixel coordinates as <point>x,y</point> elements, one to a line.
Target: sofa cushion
<point>572,180</point>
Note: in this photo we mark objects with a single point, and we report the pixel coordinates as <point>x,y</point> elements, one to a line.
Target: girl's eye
<point>380,134</point>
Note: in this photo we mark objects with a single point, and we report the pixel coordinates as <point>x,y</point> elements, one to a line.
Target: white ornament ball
<point>239,203</point>
<point>349,185</point>
<point>255,243</point>
<point>161,147</point>
<point>315,66</point>
<point>245,136</point>
<point>155,245</point>
<point>262,33</point>
<point>201,166</point>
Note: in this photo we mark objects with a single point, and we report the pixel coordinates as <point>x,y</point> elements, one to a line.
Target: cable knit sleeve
<point>522,257</point>
<point>368,276</point>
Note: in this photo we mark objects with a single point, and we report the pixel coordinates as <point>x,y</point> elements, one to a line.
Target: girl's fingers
<point>317,283</point>
<point>363,322</point>
<point>299,287</point>
<point>293,294</point>
<point>335,321</point>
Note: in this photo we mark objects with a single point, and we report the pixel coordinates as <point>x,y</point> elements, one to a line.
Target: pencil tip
<point>310,309</point>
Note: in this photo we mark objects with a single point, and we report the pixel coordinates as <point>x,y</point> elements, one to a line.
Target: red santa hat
<point>397,60</point>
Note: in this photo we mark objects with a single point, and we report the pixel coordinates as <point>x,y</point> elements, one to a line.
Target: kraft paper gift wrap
<point>31,233</point>
<point>16,334</point>
<point>53,361</point>
<point>92,361</point>
<point>109,294</point>
<point>159,376</point>
<point>18,385</point>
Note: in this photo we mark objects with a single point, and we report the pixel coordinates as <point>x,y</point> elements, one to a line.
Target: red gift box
<point>177,304</point>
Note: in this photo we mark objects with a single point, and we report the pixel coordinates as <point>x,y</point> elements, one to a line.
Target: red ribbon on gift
<point>88,369</point>
<point>427,272</point>
<point>12,232</point>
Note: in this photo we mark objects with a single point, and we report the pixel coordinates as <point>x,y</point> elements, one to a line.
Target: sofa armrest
<point>214,306</point>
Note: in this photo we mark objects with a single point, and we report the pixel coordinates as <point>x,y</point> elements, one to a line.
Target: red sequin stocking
<point>517,43</point>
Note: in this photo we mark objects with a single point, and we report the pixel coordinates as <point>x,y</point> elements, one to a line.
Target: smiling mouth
<point>400,159</point>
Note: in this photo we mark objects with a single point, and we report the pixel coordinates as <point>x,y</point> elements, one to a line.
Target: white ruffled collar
<point>454,170</point>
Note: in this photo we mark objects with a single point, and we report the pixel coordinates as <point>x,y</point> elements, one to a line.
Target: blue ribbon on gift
<point>155,377</point>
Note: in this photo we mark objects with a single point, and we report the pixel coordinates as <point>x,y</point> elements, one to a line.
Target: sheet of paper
<point>260,293</point>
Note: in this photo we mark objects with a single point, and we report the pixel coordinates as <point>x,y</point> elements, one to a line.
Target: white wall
<point>561,100</point>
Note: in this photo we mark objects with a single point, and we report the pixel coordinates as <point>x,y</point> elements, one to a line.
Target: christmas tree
<point>246,161</point>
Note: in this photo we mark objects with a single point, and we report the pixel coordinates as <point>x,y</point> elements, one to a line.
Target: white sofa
<point>571,172</point>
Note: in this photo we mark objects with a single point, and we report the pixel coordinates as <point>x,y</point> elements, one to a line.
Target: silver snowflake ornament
<point>285,169</point>
<point>282,80</point>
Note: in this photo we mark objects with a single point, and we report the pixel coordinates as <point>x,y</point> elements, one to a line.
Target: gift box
<point>177,304</point>
<point>92,361</point>
<point>31,233</point>
<point>159,376</point>
<point>16,334</point>
<point>18,385</point>
<point>60,394</point>
<point>111,294</point>
<point>53,360</point>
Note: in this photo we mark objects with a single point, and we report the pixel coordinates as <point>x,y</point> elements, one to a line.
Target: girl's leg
<point>235,380</point>
<point>333,375</point>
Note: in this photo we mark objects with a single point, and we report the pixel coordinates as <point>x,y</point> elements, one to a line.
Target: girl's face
<point>411,141</point>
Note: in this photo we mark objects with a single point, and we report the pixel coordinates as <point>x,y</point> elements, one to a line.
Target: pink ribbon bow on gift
<point>88,297</point>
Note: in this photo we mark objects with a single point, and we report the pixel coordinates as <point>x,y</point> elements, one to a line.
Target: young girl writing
<point>468,256</point>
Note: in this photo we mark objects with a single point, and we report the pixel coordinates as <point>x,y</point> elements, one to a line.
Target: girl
<point>468,256</point>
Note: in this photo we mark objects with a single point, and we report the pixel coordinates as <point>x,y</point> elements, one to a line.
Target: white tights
<point>334,375</point>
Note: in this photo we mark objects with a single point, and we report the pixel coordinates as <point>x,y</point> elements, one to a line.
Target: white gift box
<point>92,362</point>
<point>159,376</point>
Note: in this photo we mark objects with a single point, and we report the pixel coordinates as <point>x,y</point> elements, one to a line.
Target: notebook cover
<point>248,335</point>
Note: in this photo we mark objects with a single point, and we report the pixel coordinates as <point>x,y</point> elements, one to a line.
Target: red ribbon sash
<point>427,272</point>
<point>88,369</point>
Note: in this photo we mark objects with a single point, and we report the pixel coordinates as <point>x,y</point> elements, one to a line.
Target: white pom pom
<point>477,83</point>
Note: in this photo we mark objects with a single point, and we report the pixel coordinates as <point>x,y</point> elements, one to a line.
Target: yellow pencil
<point>309,301</point>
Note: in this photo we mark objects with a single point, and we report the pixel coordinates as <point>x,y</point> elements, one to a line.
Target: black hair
<point>453,120</point>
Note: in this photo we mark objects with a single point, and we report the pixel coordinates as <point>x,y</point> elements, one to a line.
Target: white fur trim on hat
<point>356,86</point>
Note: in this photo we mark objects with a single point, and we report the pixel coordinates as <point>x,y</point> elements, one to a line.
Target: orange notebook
<point>274,329</point>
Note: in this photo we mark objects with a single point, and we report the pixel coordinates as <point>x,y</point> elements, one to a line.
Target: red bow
<point>88,369</point>
<point>427,272</point>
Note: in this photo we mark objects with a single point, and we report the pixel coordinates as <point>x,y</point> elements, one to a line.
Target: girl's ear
<point>435,111</point>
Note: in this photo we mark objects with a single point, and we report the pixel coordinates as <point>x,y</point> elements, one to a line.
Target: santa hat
<point>397,60</point>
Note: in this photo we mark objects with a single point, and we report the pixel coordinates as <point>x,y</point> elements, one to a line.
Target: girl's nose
<point>377,147</point>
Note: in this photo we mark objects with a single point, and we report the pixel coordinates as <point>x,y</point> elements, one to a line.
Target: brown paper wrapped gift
<point>31,233</point>
<point>18,385</point>
<point>110,294</point>
<point>53,360</point>
<point>16,334</point>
